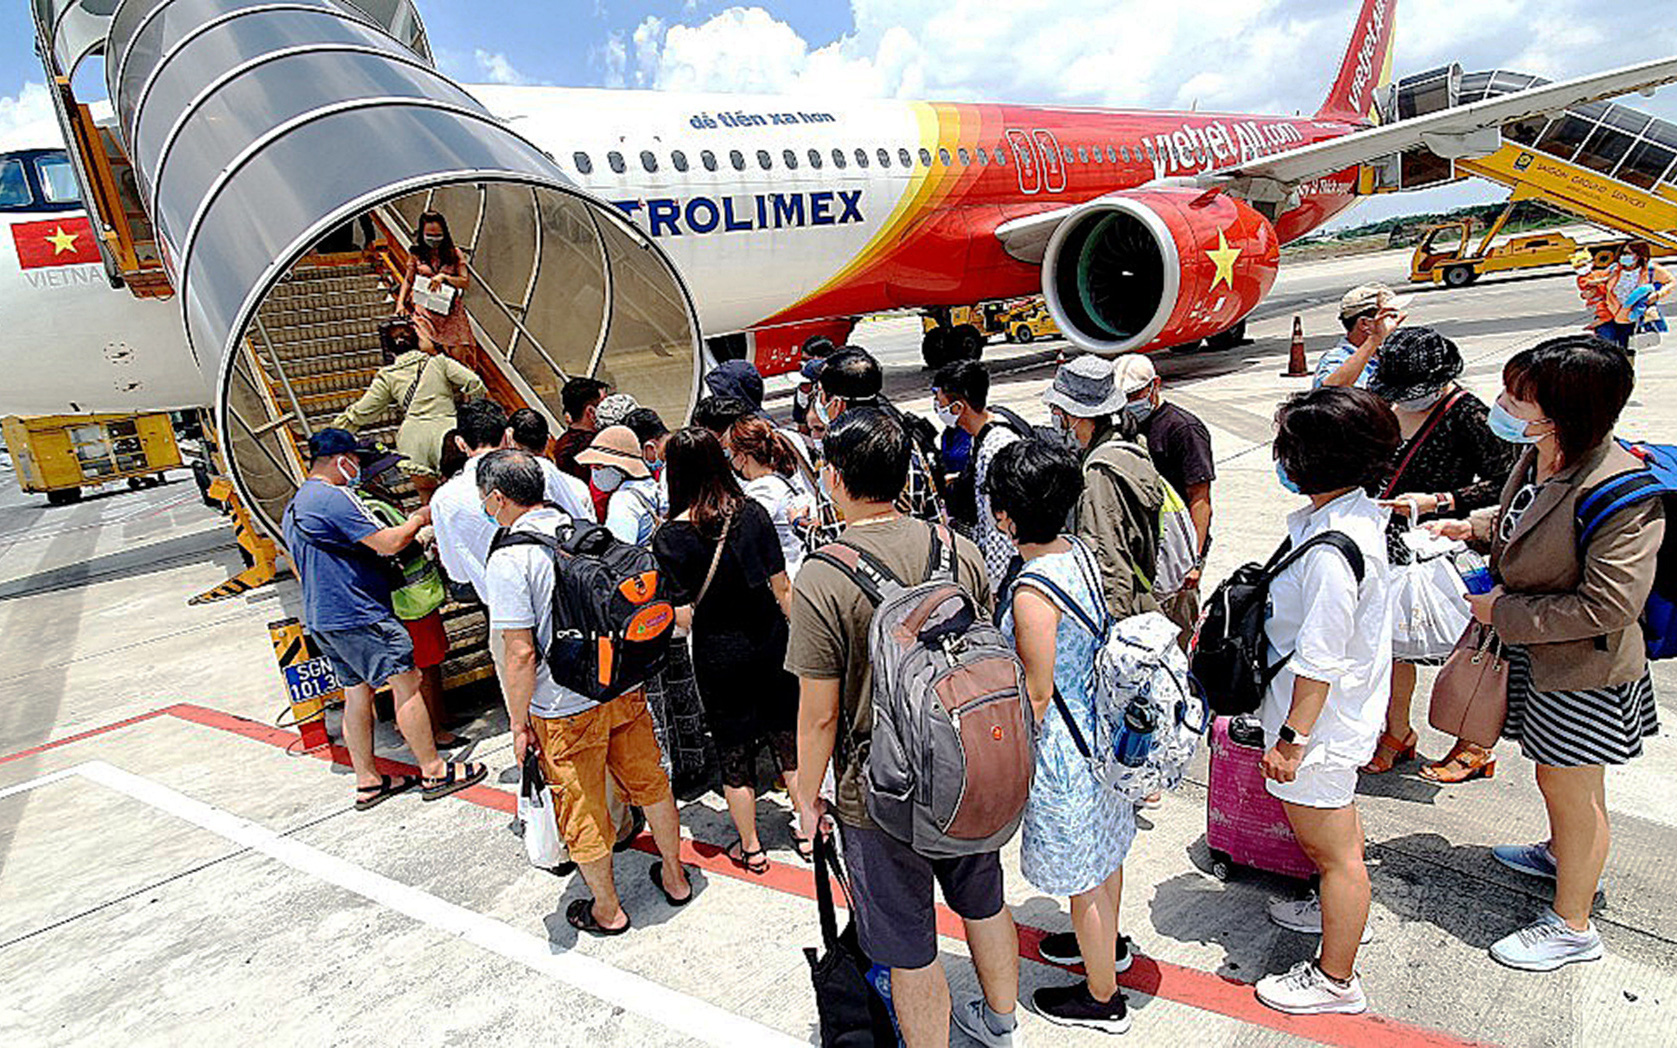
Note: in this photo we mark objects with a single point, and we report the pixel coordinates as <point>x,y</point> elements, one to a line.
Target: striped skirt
<point>1568,729</point>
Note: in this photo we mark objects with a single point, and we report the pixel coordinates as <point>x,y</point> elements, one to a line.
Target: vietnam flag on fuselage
<point>55,242</point>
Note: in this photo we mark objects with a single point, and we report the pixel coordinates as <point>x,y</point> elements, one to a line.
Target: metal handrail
<point>285,380</point>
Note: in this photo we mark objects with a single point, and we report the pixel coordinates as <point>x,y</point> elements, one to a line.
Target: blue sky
<point>1239,55</point>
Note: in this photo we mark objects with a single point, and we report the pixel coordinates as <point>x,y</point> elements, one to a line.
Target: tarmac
<point>171,875</point>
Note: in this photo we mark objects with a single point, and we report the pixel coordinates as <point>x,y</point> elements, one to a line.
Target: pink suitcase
<point>1244,825</point>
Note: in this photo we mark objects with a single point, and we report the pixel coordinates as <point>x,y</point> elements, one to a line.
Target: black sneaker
<point>1073,1006</point>
<point>1062,948</point>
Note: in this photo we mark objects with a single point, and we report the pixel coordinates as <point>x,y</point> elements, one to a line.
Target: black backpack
<point>963,491</point>
<point>1229,660</point>
<point>611,622</point>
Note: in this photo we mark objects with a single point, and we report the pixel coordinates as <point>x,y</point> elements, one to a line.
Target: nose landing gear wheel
<point>934,348</point>
<point>969,343</point>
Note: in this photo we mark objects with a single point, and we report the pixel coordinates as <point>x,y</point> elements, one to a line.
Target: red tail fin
<point>1367,66</point>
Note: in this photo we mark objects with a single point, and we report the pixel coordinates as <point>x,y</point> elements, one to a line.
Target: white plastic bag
<point>1429,600</point>
<point>535,809</point>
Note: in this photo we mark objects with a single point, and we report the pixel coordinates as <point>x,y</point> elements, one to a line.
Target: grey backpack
<point>950,761</point>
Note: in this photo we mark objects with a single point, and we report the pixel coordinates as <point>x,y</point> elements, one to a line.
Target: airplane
<point>792,217</point>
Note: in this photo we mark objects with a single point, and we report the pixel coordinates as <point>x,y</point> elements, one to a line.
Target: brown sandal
<point>1390,752</point>
<point>1465,763</point>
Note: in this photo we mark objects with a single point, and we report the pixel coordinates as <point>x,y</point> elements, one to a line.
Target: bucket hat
<point>1413,363</point>
<point>616,446</point>
<point>1086,388</point>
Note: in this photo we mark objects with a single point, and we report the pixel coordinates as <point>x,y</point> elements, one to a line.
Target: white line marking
<point>45,780</point>
<point>679,1012</point>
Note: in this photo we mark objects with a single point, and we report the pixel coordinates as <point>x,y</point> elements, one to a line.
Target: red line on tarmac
<point>68,739</point>
<point>1171,982</point>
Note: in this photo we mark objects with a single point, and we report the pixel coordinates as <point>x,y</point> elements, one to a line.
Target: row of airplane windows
<point>736,159</point>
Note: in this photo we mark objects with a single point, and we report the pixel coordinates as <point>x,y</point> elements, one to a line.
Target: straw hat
<point>616,446</point>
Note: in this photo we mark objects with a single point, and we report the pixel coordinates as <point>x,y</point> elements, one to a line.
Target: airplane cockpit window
<point>707,158</point>
<point>966,157</point>
<point>884,156</point>
<point>838,158</point>
<point>736,158</point>
<point>649,161</point>
<point>791,159</point>
<point>943,156</point>
<point>679,159</point>
<point>584,164</point>
<point>814,158</point>
<point>14,188</point>
<point>764,161</point>
<point>615,159</point>
<point>58,180</point>
<point>861,157</point>
<point>904,158</point>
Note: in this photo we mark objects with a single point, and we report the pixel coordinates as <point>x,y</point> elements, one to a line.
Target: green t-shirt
<point>830,618</point>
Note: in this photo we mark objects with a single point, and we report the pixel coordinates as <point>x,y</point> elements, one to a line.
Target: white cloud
<point>1242,55</point>
<point>27,120</point>
<point>496,67</point>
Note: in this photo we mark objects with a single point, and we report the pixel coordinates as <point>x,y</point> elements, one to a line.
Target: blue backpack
<point>1657,479</point>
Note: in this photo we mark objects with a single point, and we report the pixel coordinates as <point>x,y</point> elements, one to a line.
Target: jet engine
<point>1157,267</point>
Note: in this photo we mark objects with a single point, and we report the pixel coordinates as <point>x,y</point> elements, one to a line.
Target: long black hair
<point>701,482</point>
<point>444,255</point>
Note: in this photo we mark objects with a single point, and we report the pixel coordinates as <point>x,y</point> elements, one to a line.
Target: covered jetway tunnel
<point>259,129</point>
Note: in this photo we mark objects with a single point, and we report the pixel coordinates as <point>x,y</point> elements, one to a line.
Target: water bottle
<point>1135,739</point>
<point>1474,570</point>
<point>879,977</point>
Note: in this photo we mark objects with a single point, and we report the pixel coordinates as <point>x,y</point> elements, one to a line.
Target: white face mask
<point>947,414</point>
<point>433,240</point>
<point>606,478</point>
<point>821,411</point>
<point>1418,404</point>
<point>1627,261</point>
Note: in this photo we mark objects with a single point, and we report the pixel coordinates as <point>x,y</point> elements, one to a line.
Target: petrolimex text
<point>668,216</point>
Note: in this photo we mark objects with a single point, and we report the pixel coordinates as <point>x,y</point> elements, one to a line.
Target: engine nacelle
<point>1157,267</point>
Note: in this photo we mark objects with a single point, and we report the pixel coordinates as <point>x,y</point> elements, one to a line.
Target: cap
<point>374,458</point>
<point>616,446</point>
<point>1365,297</point>
<point>1086,387</point>
<point>1135,372</point>
<point>1415,362</point>
<point>612,410</point>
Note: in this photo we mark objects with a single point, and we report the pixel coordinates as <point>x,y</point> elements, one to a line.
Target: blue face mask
<point>349,481</point>
<point>1506,426</point>
<point>1286,481</point>
<point>1140,410</point>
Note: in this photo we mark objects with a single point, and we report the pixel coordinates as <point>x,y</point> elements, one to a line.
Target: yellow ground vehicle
<point>62,454</point>
<point>962,331</point>
<point>1448,253</point>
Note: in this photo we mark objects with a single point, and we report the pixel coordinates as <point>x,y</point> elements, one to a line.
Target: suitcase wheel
<point>1221,865</point>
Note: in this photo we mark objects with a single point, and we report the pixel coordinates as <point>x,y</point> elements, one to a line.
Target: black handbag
<point>852,1015</point>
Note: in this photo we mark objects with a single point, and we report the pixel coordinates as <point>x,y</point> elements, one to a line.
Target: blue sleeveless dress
<point>1076,831</point>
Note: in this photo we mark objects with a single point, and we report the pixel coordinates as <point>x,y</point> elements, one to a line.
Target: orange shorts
<point>578,751</point>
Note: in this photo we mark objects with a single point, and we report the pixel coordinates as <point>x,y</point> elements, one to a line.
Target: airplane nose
<point>255,131</point>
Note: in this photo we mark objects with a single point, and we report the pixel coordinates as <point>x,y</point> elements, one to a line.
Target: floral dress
<point>445,329</point>
<point>1077,831</point>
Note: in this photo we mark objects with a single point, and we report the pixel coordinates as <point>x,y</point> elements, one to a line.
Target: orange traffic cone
<point>1295,354</point>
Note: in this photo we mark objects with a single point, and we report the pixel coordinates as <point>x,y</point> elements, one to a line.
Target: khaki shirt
<point>430,415</point>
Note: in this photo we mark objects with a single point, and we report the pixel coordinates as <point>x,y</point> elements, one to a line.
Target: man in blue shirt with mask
<point>338,550</point>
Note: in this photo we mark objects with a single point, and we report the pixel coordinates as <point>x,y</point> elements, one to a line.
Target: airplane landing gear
<point>935,347</point>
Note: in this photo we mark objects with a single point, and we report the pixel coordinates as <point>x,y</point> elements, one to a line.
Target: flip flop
<point>657,875</point>
<point>580,915</point>
<point>373,796</point>
<point>754,861</point>
<point>804,847</point>
<point>457,778</point>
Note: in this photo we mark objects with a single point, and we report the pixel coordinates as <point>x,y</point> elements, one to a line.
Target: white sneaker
<point>969,1016</point>
<point>1305,916</point>
<point>1547,945</point>
<point>1304,990</point>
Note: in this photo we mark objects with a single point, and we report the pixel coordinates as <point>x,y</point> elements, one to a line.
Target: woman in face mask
<point>423,387</point>
<point>618,467</point>
<point>436,263</point>
<point>1448,465</point>
<point>1629,306</point>
<point>1566,607</point>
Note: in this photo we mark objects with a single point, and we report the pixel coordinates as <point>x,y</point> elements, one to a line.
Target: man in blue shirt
<point>1370,312</point>
<point>338,550</point>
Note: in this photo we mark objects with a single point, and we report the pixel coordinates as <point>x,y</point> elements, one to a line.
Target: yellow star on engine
<point>1224,258</point>
<point>62,241</point>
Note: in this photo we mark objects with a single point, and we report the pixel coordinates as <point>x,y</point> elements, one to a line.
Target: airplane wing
<point>1471,130</point>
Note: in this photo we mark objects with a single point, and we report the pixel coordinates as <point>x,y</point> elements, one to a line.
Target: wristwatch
<point>1297,738</point>
<point>1446,501</point>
